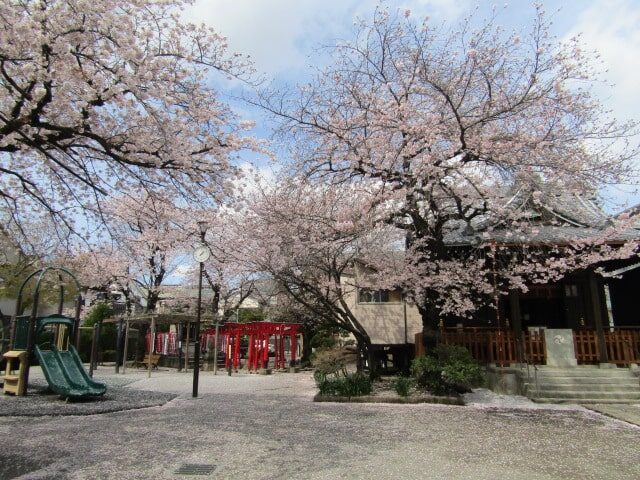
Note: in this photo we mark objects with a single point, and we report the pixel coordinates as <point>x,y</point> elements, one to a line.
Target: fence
<point>502,347</point>
<point>494,345</point>
<point>622,344</point>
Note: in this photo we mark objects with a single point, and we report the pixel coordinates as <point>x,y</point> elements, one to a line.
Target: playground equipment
<point>58,359</point>
<point>13,383</point>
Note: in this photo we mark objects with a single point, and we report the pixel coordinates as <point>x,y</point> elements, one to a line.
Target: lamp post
<point>201,255</point>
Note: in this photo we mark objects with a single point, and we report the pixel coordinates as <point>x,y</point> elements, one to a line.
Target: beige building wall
<point>384,322</point>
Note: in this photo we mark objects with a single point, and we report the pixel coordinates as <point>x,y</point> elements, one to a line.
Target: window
<point>570,290</point>
<point>373,296</point>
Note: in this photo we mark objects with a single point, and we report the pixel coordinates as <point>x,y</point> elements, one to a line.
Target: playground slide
<point>66,375</point>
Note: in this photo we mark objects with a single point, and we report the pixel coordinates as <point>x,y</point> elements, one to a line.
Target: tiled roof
<point>553,218</point>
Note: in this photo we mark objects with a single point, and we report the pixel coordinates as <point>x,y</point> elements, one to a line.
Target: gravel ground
<point>40,401</point>
<point>267,427</point>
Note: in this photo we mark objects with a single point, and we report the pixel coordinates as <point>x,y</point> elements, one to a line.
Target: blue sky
<point>283,38</point>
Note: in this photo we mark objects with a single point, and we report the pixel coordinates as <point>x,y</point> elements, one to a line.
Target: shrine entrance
<point>256,342</point>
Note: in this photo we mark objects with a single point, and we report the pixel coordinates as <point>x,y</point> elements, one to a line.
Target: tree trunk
<point>306,348</point>
<point>366,352</point>
<point>430,327</point>
<point>215,303</point>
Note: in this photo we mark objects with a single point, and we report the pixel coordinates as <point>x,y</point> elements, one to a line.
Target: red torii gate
<point>259,334</point>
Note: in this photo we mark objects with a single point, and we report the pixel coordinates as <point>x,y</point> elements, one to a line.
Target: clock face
<point>201,254</point>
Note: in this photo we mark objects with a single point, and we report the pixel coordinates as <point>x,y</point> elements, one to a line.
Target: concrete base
<point>560,349</point>
<point>506,381</point>
<point>608,365</point>
<point>294,369</point>
<point>264,371</point>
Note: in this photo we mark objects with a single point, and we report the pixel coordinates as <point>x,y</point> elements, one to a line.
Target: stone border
<point>389,399</point>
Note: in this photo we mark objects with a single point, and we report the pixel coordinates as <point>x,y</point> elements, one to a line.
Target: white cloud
<point>282,35</point>
<point>612,28</point>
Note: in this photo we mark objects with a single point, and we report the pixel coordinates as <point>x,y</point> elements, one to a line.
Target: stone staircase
<point>583,384</point>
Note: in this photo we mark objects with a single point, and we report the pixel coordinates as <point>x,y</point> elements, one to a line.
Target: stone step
<point>583,372</point>
<point>607,387</point>
<point>586,381</point>
<point>581,395</point>
<point>581,400</point>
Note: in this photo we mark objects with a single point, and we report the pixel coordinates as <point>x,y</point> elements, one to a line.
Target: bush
<point>323,341</point>
<point>449,369</point>
<point>402,386</point>
<point>109,356</point>
<point>330,362</point>
<point>350,385</point>
<point>108,334</point>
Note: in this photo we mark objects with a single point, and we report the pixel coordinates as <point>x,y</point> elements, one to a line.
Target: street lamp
<point>200,255</point>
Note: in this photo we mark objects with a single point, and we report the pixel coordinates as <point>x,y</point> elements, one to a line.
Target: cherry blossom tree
<point>98,97</point>
<point>307,237</point>
<point>462,129</point>
<point>147,235</point>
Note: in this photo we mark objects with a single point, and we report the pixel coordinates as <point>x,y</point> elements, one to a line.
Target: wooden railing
<point>585,343</point>
<point>494,345</point>
<point>622,344</point>
<point>475,340</point>
<point>535,349</point>
<point>502,347</point>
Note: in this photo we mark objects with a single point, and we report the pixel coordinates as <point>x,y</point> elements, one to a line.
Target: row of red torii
<point>229,340</point>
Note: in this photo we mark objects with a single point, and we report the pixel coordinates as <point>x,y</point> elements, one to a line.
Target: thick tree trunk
<point>430,327</point>
<point>432,250</point>
<point>366,352</point>
<point>306,348</point>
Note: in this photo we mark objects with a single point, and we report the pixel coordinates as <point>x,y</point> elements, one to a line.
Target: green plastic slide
<point>66,374</point>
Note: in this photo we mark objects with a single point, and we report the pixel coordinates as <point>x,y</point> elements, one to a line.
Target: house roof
<point>548,218</point>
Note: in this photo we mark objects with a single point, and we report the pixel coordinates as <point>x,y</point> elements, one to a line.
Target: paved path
<point>267,427</point>
<point>626,413</point>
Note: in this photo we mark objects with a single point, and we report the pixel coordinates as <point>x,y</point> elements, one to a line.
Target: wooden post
<point>76,326</point>
<point>186,349</point>
<point>56,334</point>
<point>119,344</point>
<point>126,348</point>
<point>14,322</point>
<point>31,332</point>
<point>61,333</point>
<point>152,345</point>
<point>94,349</point>
<point>516,323</point>
<point>215,350</point>
<point>293,344</point>
<point>596,311</point>
<point>236,353</point>
<point>179,335</point>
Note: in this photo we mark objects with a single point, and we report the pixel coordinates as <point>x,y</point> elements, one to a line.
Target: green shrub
<point>465,375</point>
<point>452,354</point>
<point>428,375</point>
<point>108,334</point>
<point>323,341</point>
<point>349,385</point>
<point>109,356</point>
<point>354,385</point>
<point>448,369</point>
<point>328,386</point>
<point>403,385</point>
